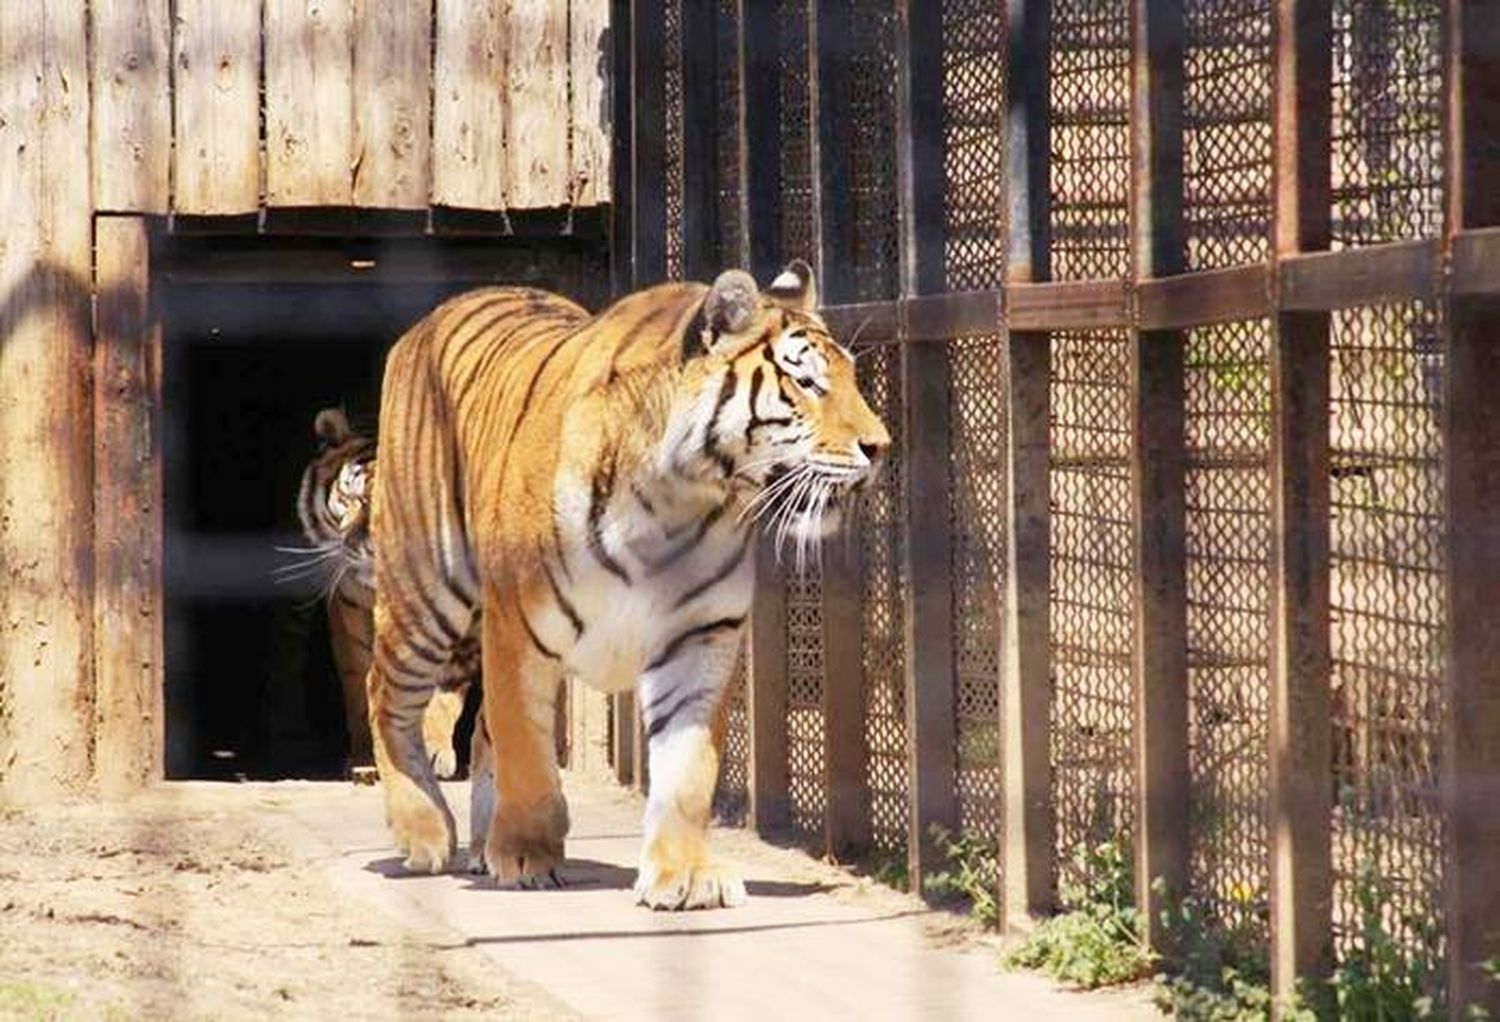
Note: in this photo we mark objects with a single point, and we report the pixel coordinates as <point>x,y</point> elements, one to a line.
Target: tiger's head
<point>781,414</point>
<point>333,502</point>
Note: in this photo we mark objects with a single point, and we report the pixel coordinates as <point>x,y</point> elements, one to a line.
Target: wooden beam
<point>1300,753</point>
<point>1471,467</point>
<point>216,85</point>
<point>132,104</point>
<point>129,668</point>
<point>1028,852</point>
<point>1199,299</point>
<point>1401,271</point>
<point>942,317</point>
<point>469,75</point>
<point>536,106</point>
<point>1159,476</point>
<point>588,70</point>
<point>1067,305</point>
<point>46,444</point>
<point>392,100</point>
<point>872,322</point>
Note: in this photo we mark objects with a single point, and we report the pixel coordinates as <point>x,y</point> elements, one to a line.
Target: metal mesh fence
<point>1389,618</point>
<point>804,677</point>
<point>1387,120</point>
<point>727,126</point>
<point>1092,711</point>
<point>672,87</point>
<point>1227,132</point>
<point>1090,102</point>
<point>977,427</point>
<point>1227,394</point>
<point>882,640</point>
<point>974,144</point>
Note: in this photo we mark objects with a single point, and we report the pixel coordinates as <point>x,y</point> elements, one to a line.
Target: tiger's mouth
<point>801,505</point>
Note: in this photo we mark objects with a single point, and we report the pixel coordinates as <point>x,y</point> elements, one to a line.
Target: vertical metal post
<point>648,130</point>
<point>622,138</point>
<point>701,258</point>
<point>1159,469</point>
<point>1029,824</point>
<point>1300,732</point>
<point>1471,759</point>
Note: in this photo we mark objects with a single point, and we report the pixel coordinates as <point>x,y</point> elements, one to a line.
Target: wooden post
<point>1159,472</point>
<point>216,83</point>
<point>46,446</point>
<point>392,104</point>
<point>1028,856</point>
<point>309,54</point>
<point>701,259</point>
<point>622,162</point>
<point>129,667</point>
<point>589,62</point>
<point>766,698</point>
<point>1300,740</point>
<point>927,611</point>
<point>132,104</point>
<point>1471,756</point>
<point>622,737</point>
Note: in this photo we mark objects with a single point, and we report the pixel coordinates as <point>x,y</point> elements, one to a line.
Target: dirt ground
<point>186,906</point>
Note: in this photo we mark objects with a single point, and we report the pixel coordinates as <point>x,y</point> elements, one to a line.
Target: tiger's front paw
<point>525,849</point>
<point>423,830</point>
<point>705,885</point>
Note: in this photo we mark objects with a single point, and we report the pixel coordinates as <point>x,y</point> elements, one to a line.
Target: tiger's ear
<point>795,287</point>
<point>332,426</point>
<point>732,303</point>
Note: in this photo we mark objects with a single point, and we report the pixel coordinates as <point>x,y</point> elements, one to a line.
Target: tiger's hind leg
<point>403,676</point>
<point>681,708</point>
<point>521,678</point>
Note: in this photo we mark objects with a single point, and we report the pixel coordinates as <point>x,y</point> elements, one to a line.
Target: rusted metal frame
<point>846,820</point>
<point>701,258</point>
<point>927,605</point>
<point>760,177</point>
<point>622,162</point>
<point>648,147</point>
<point>1299,732</point>
<point>1158,473</point>
<point>1028,830</point>
<point>1471,467</point>
<point>1401,271</point>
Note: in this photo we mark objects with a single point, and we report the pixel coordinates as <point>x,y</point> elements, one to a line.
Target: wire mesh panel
<point>727,126</point>
<point>1387,120</point>
<point>1227,390</point>
<point>882,640</point>
<point>974,144</point>
<point>804,679</point>
<point>1092,542</point>
<point>672,87</point>
<point>795,220</point>
<point>1388,622</point>
<point>977,429</point>
<point>732,796</point>
<point>1227,131</point>
<point>1090,103</point>
<point>863,238</point>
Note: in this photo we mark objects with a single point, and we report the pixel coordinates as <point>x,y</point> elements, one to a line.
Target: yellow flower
<point>1241,893</point>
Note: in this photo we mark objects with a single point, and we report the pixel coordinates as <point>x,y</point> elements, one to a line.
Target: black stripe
<point>659,724</point>
<point>599,492</point>
<point>692,334</point>
<point>697,631</point>
<point>710,435</point>
<point>641,498</point>
<point>679,552</point>
<point>534,640</point>
<point>724,570</point>
<point>562,601</point>
<point>651,322</point>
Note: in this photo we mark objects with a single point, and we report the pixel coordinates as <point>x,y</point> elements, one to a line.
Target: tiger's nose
<point>873,447</point>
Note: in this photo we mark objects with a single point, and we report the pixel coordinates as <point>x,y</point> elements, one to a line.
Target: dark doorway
<point>261,334</point>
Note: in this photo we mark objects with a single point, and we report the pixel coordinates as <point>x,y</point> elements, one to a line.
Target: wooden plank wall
<point>46,472</point>
<point>474,104</point>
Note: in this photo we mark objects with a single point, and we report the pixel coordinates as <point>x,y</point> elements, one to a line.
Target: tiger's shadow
<point>593,875</point>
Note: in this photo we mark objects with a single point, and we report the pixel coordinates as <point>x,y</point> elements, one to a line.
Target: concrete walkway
<point>813,943</point>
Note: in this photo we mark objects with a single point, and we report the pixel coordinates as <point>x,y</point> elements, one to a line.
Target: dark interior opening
<point>259,335</point>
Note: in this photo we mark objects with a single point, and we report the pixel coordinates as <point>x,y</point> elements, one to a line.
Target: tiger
<point>333,506</point>
<point>581,493</point>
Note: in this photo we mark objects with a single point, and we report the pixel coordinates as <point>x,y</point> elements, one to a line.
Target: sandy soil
<point>183,905</point>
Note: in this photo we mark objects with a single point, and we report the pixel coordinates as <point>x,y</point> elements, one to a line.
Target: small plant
<point>974,863</point>
<point>1098,941</point>
<point>1384,977</point>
